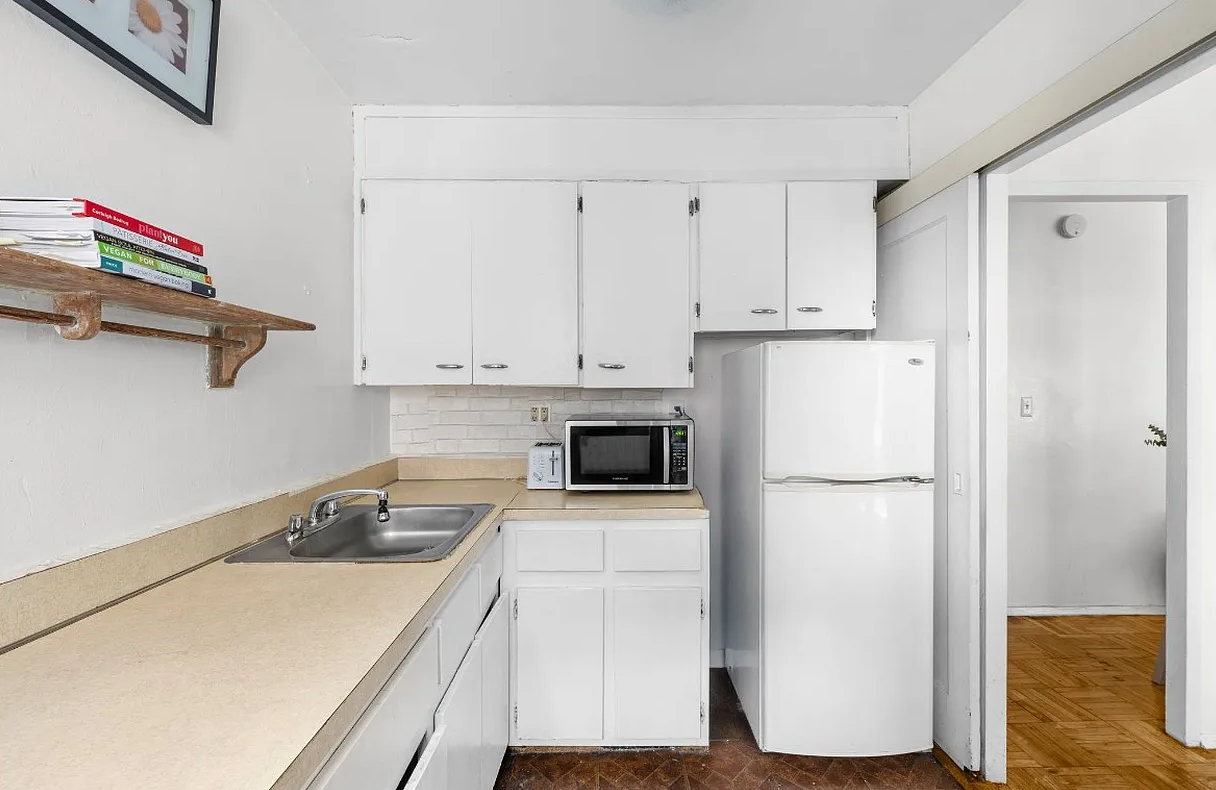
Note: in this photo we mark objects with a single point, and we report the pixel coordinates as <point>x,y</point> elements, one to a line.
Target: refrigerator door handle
<point>798,479</point>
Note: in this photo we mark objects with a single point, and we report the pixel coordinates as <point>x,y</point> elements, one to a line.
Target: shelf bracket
<point>85,309</point>
<point>223,363</point>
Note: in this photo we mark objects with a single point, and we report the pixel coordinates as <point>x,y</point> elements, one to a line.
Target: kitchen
<point>184,671</point>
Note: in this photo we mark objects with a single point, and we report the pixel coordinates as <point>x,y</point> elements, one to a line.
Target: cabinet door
<point>559,663</point>
<point>495,692</point>
<point>637,318</point>
<point>742,254</point>
<point>657,663</point>
<point>525,283</point>
<point>832,255</point>
<point>431,772</point>
<point>460,713</point>
<point>416,268</point>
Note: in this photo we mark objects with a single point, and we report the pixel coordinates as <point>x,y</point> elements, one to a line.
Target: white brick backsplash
<point>491,420</point>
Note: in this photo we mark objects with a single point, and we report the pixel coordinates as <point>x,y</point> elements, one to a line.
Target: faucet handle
<point>295,528</point>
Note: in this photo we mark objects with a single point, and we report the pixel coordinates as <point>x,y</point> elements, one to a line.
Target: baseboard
<point>1081,611</point>
<point>717,659</point>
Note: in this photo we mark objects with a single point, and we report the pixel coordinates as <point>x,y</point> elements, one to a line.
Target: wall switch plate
<point>1027,409</point>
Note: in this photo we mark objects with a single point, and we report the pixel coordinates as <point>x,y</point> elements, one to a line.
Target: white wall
<point>1038,43</point>
<point>113,439</point>
<point>1087,343</point>
<point>1168,138</point>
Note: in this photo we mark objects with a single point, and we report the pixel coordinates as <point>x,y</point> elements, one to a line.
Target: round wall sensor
<point>1072,226</point>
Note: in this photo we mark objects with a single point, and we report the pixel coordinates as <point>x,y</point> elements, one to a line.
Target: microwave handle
<point>666,455</point>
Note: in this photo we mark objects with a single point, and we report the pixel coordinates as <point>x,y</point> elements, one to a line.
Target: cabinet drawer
<point>376,753</point>
<point>656,550</point>
<point>491,572</point>
<point>458,622</point>
<point>561,549</point>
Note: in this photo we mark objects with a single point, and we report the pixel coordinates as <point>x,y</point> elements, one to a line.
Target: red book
<point>90,209</point>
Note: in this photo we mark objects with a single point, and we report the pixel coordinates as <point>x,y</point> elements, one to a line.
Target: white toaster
<point>546,466</point>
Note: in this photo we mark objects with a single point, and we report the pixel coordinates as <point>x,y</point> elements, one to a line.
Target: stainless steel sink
<point>413,533</point>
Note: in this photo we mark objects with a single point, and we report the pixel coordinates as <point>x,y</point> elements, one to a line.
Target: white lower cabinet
<point>495,692</point>
<point>610,645</point>
<point>431,772</point>
<point>559,663</point>
<point>656,662</point>
<point>460,716</point>
<point>472,721</point>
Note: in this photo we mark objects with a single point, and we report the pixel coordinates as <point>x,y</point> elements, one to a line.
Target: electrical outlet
<point>540,413</point>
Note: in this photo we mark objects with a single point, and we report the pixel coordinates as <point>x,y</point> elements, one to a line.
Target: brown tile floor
<point>733,761</point>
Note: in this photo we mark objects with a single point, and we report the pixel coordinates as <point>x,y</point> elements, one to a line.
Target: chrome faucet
<point>324,511</point>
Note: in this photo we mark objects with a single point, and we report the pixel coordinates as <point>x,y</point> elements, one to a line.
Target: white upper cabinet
<point>637,316</point>
<point>832,255</point>
<point>470,282</point>
<point>417,257</point>
<point>742,255</point>
<point>525,283</point>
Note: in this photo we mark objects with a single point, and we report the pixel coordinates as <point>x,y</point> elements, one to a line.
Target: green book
<point>130,256</point>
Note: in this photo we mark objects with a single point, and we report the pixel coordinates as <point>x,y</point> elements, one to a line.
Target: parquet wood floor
<point>1084,713</point>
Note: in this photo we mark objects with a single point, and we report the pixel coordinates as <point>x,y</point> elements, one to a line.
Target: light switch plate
<point>1027,406</point>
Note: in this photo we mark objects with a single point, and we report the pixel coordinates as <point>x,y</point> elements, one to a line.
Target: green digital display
<point>680,432</point>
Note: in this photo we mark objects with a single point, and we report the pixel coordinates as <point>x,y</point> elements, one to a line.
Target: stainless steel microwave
<point>629,452</point>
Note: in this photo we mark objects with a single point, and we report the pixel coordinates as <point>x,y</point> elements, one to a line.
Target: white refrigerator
<point>827,532</point>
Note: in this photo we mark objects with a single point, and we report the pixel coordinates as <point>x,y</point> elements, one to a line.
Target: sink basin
<point>413,533</point>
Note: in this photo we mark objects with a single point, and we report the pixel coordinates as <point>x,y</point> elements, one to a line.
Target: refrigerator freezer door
<point>847,646</point>
<point>848,410</point>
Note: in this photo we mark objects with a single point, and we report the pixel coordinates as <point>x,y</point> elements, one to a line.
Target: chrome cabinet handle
<point>611,366</point>
<point>450,367</point>
<point>810,309</point>
<point>494,366</point>
<point>764,311</point>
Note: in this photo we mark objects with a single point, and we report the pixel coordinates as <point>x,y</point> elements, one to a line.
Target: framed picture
<point>167,46</point>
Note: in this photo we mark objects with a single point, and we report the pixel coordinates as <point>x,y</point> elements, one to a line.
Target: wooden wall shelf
<point>236,333</point>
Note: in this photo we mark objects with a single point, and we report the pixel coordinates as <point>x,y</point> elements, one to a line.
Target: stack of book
<point>84,233</point>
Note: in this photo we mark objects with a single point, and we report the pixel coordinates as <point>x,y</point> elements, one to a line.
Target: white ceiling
<point>650,52</point>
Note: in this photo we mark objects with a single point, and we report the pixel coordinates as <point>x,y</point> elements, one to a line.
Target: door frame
<point>1187,274</point>
<point>960,355</point>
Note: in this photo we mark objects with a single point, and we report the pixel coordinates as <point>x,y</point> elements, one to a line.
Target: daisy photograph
<point>164,26</point>
<point>166,46</point>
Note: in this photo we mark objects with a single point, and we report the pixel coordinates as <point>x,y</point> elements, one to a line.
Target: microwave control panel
<point>679,455</point>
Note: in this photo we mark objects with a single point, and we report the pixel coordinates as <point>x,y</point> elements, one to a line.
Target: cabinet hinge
<point>515,715</point>
<point>874,307</point>
<point>580,204</point>
<point>702,608</point>
<point>692,206</point>
<point>364,362</point>
<point>696,204</point>
<point>515,609</point>
<point>697,309</point>
<point>580,361</point>
<point>362,205</point>
<point>690,364</point>
<point>702,712</point>
<point>876,204</point>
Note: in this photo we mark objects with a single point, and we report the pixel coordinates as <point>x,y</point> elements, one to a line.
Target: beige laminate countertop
<point>246,676</point>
